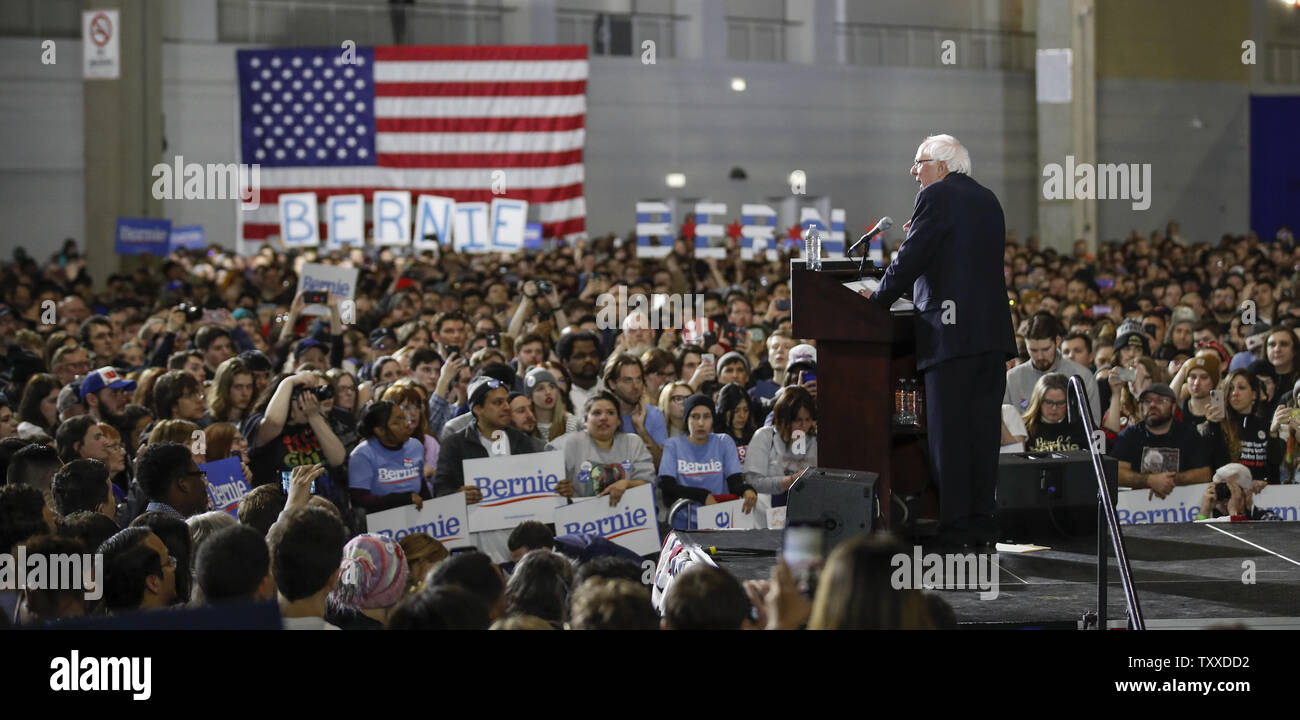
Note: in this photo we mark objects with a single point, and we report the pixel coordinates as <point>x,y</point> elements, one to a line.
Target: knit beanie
<point>373,573</point>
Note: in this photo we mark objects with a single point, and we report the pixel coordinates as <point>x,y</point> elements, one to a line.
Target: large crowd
<point>113,399</point>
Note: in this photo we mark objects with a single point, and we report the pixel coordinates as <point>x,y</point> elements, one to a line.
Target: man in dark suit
<point>952,261</point>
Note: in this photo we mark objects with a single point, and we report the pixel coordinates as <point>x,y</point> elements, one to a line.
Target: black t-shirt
<point>1053,437</point>
<point>1149,453</point>
<point>295,445</point>
<point>1257,451</point>
<point>1189,416</point>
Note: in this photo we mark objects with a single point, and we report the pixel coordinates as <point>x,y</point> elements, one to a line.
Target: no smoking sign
<point>101,60</point>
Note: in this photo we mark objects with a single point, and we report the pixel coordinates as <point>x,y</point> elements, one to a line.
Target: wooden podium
<point>862,352</point>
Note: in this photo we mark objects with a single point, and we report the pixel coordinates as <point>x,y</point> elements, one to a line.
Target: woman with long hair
<point>80,437</point>
<point>564,381</point>
<point>177,394</point>
<point>856,592</point>
<point>776,456</point>
<point>224,440</point>
<point>1124,410</point>
<point>671,398</point>
<point>38,410</point>
<point>410,399</point>
<point>115,460</point>
<point>1242,436</point>
<point>602,459</point>
<point>1046,419</point>
<point>387,468</point>
<point>230,398</point>
<point>345,391</point>
<point>553,419</point>
<point>735,417</point>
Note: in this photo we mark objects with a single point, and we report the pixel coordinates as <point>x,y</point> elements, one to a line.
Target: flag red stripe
<point>564,227</point>
<point>532,195</point>
<point>483,124</point>
<point>479,160</point>
<point>479,89</point>
<point>481,52</point>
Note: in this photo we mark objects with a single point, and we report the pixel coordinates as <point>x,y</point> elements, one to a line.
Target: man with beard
<point>1043,340</point>
<point>580,353</point>
<point>1223,302</point>
<point>637,335</point>
<point>626,377</point>
<point>104,393</point>
<point>1159,452</point>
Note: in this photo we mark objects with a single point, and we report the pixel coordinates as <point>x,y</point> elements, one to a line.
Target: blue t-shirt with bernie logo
<point>380,471</point>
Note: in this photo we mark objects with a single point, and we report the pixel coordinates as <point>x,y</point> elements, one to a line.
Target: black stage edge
<point>1188,576</point>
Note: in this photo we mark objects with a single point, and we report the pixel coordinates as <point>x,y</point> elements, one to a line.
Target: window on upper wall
<point>756,30</point>
<point>617,27</point>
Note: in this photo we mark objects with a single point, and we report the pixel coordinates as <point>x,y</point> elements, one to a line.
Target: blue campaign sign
<point>190,237</point>
<point>138,236</point>
<point>533,236</point>
<point>226,483</point>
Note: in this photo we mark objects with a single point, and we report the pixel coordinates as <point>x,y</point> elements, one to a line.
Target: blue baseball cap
<point>105,377</point>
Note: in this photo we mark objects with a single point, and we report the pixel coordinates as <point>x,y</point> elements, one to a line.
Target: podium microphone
<point>884,224</point>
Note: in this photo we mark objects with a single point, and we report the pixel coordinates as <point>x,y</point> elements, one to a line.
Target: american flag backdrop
<point>429,120</point>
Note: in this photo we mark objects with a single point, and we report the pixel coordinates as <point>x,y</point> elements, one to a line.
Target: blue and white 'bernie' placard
<point>226,484</point>
<point>445,518</point>
<point>631,523</point>
<point>515,488</point>
<point>728,515</point>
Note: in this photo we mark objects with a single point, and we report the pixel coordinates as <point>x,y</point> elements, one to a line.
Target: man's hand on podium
<point>866,293</point>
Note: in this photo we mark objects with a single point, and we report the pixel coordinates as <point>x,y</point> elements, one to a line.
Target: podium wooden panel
<point>862,351</point>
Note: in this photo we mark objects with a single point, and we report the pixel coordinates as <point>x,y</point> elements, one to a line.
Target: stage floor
<point>1187,576</point>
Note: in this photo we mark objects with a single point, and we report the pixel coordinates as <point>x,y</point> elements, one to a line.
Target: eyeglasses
<point>922,161</point>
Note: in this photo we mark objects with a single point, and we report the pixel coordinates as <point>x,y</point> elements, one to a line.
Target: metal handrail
<point>1136,622</point>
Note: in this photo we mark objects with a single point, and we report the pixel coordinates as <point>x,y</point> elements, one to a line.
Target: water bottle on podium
<point>812,248</point>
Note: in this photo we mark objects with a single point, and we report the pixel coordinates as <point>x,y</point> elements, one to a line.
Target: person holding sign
<point>702,465</point>
<point>490,434</point>
<point>602,460</point>
<point>387,468</point>
<point>779,452</point>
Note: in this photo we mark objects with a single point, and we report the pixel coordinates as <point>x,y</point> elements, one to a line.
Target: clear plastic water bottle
<point>812,244</point>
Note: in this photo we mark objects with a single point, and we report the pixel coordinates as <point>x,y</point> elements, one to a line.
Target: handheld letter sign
<point>515,488</point>
<point>226,484</point>
<point>631,523</point>
<point>340,282</point>
<point>444,518</point>
<point>727,516</point>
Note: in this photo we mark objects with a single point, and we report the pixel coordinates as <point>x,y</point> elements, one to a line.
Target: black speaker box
<point>841,501</point>
<point>1044,497</point>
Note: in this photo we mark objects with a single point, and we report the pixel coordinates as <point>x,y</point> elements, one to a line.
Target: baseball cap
<point>1159,389</point>
<point>479,388</point>
<point>801,353</point>
<point>1235,471</point>
<point>304,345</point>
<point>105,377</point>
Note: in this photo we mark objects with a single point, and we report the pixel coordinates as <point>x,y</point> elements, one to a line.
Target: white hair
<point>204,525</point>
<point>946,149</point>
